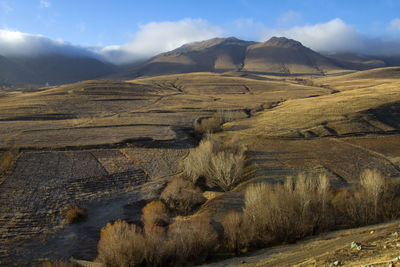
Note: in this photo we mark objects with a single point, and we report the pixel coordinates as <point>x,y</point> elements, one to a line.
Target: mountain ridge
<point>232,54</point>
<point>276,56</point>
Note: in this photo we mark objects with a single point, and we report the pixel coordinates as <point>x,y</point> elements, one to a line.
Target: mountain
<point>51,68</point>
<point>214,55</point>
<point>276,56</point>
<point>360,62</point>
<point>280,55</point>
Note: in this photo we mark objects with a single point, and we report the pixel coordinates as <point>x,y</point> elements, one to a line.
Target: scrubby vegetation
<point>75,214</point>
<point>273,213</point>
<point>220,164</point>
<point>208,125</point>
<point>277,213</point>
<point>182,196</point>
<point>7,160</point>
<point>186,240</point>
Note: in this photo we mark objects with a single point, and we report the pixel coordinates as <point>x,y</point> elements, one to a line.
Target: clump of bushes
<point>185,241</point>
<point>234,231</point>
<point>182,196</point>
<point>374,200</point>
<point>272,213</point>
<point>208,125</point>
<point>121,244</point>
<point>75,214</point>
<point>221,164</point>
<point>192,238</point>
<point>287,212</point>
<point>58,264</point>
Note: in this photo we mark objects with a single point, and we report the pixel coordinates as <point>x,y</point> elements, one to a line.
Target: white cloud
<point>157,37</point>
<point>338,36</point>
<point>45,3</point>
<point>15,43</point>
<point>334,35</point>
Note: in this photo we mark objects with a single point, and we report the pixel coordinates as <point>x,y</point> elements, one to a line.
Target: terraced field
<point>111,146</point>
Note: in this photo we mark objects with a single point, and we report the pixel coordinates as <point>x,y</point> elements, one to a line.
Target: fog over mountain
<point>334,36</point>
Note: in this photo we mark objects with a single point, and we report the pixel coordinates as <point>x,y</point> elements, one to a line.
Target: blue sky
<point>112,26</point>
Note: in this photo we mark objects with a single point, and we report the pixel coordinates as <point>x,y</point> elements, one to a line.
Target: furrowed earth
<point>111,146</point>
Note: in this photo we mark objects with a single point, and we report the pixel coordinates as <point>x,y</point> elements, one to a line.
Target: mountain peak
<point>283,42</point>
<point>196,46</point>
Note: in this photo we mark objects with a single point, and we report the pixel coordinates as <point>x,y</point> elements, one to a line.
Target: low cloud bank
<point>157,37</point>
<point>336,36</point>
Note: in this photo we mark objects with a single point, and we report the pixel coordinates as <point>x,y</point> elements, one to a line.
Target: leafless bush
<point>373,185</point>
<point>289,211</point>
<point>372,201</point>
<point>198,159</point>
<point>225,169</point>
<point>121,244</point>
<point>7,160</point>
<point>58,264</point>
<point>155,213</point>
<point>220,163</point>
<point>234,231</point>
<point>75,214</point>
<point>208,125</point>
<point>193,239</point>
<point>182,196</point>
<point>227,115</point>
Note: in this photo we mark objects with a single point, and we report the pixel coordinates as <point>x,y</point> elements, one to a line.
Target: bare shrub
<point>289,211</point>
<point>121,244</point>
<point>227,115</point>
<point>75,214</point>
<point>155,213</point>
<point>182,196</point>
<point>7,160</point>
<point>373,184</point>
<point>234,231</point>
<point>220,163</point>
<point>193,239</point>
<point>157,252</point>
<point>225,169</point>
<point>370,201</point>
<point>58,264</point>
<point>208,125</point>
<point>197,161</point>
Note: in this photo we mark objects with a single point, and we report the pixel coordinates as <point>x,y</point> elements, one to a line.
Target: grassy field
<point>113,145</point>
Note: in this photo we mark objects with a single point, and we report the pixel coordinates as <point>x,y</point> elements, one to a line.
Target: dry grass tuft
<point>75,214</point>
<point>182,196</point>
<point>7,160</point>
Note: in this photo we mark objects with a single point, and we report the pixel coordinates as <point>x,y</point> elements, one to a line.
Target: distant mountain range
<point>51,69</point>
<point>278,56</point>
